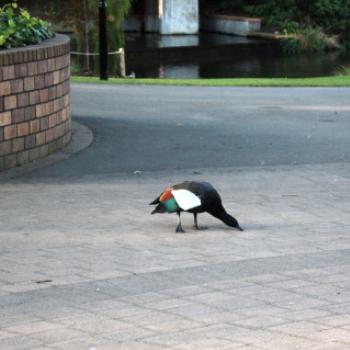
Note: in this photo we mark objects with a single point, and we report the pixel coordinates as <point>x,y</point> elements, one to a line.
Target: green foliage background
<point>80,17</point>
<point>331,15</point>
<point>311,25</point>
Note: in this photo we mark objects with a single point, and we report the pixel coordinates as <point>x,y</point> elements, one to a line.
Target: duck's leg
<point>179,228</point>
<point>196,223</point>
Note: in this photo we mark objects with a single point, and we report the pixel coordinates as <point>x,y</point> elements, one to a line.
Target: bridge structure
<point>172,16</point>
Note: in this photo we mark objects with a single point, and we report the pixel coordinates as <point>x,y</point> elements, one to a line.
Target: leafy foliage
<point>19,28</point>
<point>309,24</point>
<point>309,39</point>
<point>343,70</point>
<point>80,18</point>
<point>228,6</point>
<point>331,15</point>
<point>117,10</point>
<point>87,30</point>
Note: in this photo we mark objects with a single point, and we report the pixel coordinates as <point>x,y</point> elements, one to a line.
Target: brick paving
<point>84,266</point>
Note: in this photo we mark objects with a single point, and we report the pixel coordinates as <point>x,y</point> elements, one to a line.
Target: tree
<point>82,17</point>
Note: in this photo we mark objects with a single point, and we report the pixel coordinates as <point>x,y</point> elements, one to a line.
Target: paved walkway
<point>84,266</point>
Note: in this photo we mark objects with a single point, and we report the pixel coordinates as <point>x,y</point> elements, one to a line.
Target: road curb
<point>82,137</point>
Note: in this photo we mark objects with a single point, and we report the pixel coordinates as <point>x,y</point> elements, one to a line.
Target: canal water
<point>210,55</point>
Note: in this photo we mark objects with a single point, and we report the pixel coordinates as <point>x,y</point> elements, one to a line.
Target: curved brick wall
<point>34,101</point>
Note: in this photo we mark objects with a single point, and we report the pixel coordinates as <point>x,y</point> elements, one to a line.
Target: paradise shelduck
<point>193,197</point>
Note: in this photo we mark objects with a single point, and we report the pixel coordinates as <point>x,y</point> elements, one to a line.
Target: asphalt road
<point>152,128</point>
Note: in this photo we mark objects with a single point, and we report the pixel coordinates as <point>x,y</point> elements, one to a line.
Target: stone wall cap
<point>56,46</point>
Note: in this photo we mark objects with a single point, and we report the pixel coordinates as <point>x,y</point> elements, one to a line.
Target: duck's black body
<point>208,199</point>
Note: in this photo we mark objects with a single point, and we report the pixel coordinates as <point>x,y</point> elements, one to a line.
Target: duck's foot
<point>200,228</point>
<point>196,226</point>
<point>179,229</point>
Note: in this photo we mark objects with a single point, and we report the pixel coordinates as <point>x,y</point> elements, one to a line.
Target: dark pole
<point>103,40</point>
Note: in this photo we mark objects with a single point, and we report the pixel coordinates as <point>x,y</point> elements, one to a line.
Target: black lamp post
<point>103,40</point>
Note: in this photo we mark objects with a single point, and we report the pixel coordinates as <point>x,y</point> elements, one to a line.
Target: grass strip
<point>331,81</point>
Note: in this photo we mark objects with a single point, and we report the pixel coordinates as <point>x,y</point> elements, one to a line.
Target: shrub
<point>19,28</point>
<point>343,70</point>
<point>331,15</point>
<point>310,25</point>
<point>309,39</point>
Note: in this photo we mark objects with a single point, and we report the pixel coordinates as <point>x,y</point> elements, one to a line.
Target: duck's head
<point>232,222</point>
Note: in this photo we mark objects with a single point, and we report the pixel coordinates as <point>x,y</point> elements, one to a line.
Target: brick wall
<point>34,101</point>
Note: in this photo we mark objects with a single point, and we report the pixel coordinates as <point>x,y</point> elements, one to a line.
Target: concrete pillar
<point>179,16</point>
<point>172,16</point>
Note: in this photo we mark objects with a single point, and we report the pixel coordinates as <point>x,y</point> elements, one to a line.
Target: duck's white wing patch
<point>186,199</point>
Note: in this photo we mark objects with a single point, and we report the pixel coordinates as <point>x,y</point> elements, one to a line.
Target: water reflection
<point>144,41</point>
<point>222,56</point>
<point>189,71</point>
<point>211,55</point>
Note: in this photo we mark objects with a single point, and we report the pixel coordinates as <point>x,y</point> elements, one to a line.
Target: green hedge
<point>18,28</point>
